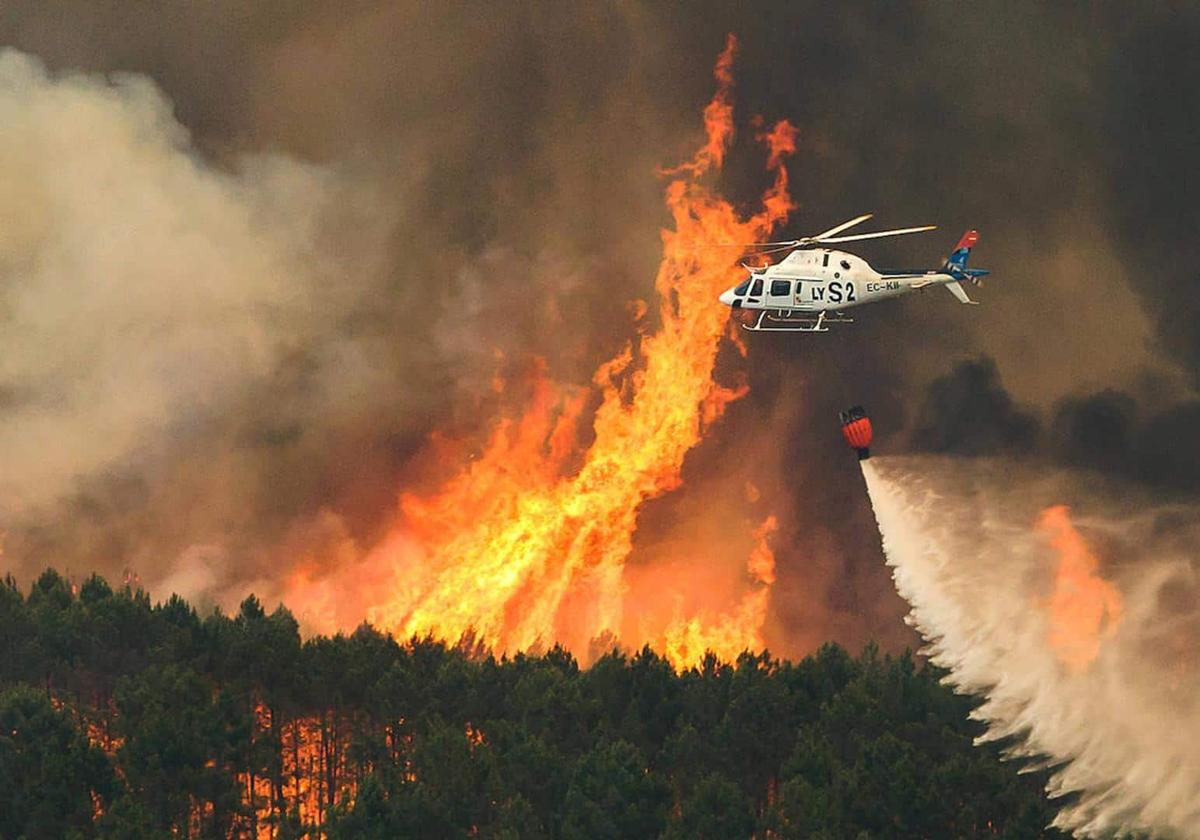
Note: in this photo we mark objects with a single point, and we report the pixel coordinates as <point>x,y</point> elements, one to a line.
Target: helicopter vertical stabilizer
<point>956,263</point>
<point>958,258</point>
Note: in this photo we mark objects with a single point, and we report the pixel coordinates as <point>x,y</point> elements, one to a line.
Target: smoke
<point>969,412</point>
<point>1073,605</point>
<point>150,306</point>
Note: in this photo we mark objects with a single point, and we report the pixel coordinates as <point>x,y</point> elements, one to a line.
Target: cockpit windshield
<point>742,287</point>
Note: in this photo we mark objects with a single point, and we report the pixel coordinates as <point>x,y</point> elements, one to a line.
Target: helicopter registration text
<point>889,286</point>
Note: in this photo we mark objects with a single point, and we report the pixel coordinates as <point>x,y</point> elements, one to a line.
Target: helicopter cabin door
<point>779,294</point>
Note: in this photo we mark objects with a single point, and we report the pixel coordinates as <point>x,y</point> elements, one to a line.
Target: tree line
<point>123,718</point>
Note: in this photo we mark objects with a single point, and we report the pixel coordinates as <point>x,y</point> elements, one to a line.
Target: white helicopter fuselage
<point>821,280</point>
<point>812,286</point>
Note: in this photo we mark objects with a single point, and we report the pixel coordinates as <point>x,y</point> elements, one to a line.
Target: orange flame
<point>1084,608</point>
<point>718,115</point>
<point>686,641</point>
<point>526,545</point>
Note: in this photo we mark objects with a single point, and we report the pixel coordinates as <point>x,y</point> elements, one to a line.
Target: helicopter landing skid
<point>783,323</point>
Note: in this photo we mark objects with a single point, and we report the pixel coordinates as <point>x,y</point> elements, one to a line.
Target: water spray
<point>1076,620</point>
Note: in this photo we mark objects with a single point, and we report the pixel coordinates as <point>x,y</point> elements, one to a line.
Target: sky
<point>251,258</point>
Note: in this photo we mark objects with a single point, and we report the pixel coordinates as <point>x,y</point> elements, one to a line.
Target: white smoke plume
<point>1080,627</point>
<point>145,297</point>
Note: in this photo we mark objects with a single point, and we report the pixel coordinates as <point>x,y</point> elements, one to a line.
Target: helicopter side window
<point>756,289</point>
<point>781,288</point>
<point>742,287</point>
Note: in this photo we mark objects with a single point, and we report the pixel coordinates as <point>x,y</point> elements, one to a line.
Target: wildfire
<point>526,545</point>
<point>1084,608</point>
<point>686,641</point>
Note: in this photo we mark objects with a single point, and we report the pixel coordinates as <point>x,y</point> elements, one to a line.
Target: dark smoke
<point>968,412</point>
<point>1168,448</point>
<point>1152,168</point>
<point>1095,431</point>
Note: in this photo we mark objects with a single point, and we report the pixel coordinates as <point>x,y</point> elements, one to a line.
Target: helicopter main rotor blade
<point>878,234</point>
<point>783,243</point>
<point>785,246</point>
<point>828,236</point>
<point>843,226</point>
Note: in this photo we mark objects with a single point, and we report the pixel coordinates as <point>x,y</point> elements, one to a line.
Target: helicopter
<point>813,286</point>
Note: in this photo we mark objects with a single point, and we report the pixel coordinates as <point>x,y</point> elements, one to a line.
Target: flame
<point>1084,608</point>
<point>526,544</point>
<point>686,641</point>
<point>718,116</point>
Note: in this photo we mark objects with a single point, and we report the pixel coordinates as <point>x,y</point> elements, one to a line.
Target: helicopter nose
<point>727,297</point>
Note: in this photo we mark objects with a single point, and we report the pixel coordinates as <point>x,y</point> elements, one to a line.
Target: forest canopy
<point>123,718</point>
